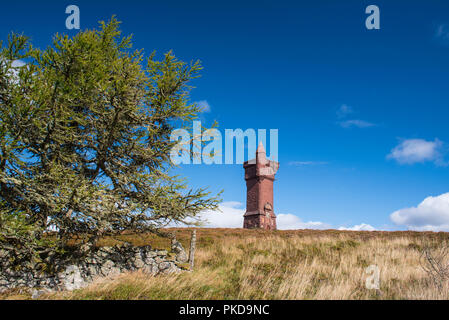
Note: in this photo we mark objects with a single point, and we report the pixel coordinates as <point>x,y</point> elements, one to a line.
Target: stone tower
<point>259,176</point>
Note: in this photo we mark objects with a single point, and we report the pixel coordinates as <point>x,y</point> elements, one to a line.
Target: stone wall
<point>75,273</point>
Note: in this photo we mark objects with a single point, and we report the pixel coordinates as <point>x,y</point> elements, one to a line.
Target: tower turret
<point>259,176</point>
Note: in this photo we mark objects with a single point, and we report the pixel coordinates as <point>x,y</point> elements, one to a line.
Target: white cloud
<point>289,221</point>
<point>203,105</point>
<point>432,214</point>
<point>17,63</point>
<point>356,123</point>
<point>230,216</point>
<point>359,227</point>
<point>343,111</point>
<point>13,72</point>
<point>307,163</point>
<point>442,33</point>
<point>417,151</point>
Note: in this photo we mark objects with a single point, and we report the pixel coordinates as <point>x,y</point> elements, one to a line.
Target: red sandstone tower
<point>259,176</point>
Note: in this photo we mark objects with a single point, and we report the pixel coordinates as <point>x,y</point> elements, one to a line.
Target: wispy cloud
<point>442,34</point>
<point>356,123</point>
<point>432,214</point>
<point>343,111</point>
<point>413,151</point>
<point>203,105</point>
<point>342,114</point>
<point>307,163</point>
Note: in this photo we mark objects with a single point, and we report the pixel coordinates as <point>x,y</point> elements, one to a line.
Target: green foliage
<point>85,139</point>
<point>18,238</point>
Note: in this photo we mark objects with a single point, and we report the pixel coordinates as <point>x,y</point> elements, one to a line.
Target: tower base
<point>258,220</point>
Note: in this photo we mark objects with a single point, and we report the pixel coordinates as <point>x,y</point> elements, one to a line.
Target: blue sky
<point>362,114</point>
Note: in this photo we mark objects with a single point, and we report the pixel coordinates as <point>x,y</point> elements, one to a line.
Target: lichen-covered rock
<point>72,279</point>
<point>37,293</point>
<point>178,249</point>
<point>161,253</point>
<point>168,268</point>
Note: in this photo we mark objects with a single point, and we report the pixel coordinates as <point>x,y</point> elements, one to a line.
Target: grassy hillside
<point>302,264</point>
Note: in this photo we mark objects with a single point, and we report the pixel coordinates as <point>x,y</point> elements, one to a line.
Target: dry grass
<point>303,264</point>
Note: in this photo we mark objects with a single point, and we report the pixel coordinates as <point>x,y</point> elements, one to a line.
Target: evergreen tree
<point>85,140</point>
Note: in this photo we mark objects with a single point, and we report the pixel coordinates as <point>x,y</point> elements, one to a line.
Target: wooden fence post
<point>192,250</point>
